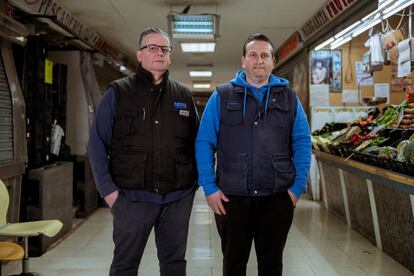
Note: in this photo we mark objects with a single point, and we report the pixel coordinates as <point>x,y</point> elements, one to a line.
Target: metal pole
<point>410,22</point>
<point>25,261</point>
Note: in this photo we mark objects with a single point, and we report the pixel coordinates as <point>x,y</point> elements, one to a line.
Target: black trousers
<point>267,221</point>
<point>133,222</point>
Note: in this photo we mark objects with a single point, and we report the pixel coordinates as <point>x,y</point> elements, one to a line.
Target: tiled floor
<point>318,244</point>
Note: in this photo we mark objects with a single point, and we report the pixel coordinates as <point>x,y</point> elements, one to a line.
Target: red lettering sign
<point>327,13</point>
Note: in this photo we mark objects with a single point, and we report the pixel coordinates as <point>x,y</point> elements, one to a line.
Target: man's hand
<point>111,198</point>
<point>215,202</point>
<point>293,198</point>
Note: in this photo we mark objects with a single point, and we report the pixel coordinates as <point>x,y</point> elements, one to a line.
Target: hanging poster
<point>362,78</point>
<point>325,68</point>
<point>336,71</point>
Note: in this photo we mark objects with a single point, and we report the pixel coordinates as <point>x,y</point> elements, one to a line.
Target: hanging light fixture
<point>385,9</point>
<point>203,26</point>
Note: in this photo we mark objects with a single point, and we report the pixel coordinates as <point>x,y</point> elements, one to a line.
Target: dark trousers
<point>133,222</point>
<point>267,221</point>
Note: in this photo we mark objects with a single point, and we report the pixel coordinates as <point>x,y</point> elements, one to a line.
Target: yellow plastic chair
<point>10,251</point>
<point>24,229</point>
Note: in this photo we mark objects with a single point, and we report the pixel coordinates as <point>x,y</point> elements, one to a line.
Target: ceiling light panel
<point>198,47</point>
<point>203,74</point>
<point>201,85</point>
<point>203,26</point>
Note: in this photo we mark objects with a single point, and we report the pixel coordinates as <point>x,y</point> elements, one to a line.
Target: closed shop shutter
<point>6,118</point>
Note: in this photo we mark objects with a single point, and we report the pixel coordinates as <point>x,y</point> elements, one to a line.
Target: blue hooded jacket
<point>206,142</point>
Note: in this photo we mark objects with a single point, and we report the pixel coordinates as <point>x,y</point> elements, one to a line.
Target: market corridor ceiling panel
<point>121,21</point>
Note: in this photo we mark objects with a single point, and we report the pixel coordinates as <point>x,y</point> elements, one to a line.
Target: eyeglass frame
<point>164,49</point>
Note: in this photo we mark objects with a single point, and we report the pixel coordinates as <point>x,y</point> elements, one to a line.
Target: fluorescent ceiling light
<point>336,44</point>
<point>369,15</point>
<point>193,26</point>
<point>201,85</point>
<point>397,4</point>
<point>194,73</point>
<point>366,27</point>
<point>344,31</point>
<point>397,7</point>
<point>323,44</point>
<point>385,9</point>
<point>383,4</point>
<point>198,47</point>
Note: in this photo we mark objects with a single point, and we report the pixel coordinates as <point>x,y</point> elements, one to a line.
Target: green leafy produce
<point>388,152</point>
<point>376,141</point>
<point>409,153</point>
<point>400,148</point>
<point>390,115</point>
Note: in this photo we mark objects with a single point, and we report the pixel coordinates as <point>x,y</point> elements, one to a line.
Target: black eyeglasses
<point>153,48</point>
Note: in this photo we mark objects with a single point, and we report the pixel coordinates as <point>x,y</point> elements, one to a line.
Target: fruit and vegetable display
<point>384,138</point>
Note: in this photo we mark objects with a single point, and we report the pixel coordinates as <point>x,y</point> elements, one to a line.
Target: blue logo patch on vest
<point>179,105</point>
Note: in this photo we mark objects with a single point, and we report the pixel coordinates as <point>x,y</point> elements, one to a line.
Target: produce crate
<point>370,159</point>
<point>402,167</point>
<point>345,149</point>
<point>385,163</point>
<point>335,150</point>
<point>358,156</point>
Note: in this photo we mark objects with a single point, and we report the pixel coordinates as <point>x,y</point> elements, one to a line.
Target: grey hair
<point>152,30</point>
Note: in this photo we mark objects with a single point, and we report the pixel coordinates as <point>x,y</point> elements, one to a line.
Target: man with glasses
<point>259,130</point>
<point>142,154</point>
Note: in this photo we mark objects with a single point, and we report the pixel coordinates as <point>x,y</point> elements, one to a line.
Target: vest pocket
<point>134,122</point>
<point>277,115</point>
<point>185,170</point>
<point>233,176</point>
<point>284,172</point>
<point>234,114</point>
<point>128,169</point>
<point>181,123</point>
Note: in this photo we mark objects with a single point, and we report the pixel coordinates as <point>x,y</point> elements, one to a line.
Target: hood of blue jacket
<point>240,80</point>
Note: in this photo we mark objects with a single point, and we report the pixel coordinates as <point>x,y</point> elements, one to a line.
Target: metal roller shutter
<point>6,118</point>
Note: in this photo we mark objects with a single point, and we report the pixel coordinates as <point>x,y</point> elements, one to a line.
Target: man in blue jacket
<point>258,128</point>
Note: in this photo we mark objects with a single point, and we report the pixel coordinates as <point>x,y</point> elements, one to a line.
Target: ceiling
<point>121,21</point>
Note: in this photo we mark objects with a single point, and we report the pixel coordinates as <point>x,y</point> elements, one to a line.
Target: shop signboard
<point>292,45</point>
<point>329,11</point>
<point>65,18</point>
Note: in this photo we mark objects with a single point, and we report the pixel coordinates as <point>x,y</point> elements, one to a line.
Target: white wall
<point>77,126</point>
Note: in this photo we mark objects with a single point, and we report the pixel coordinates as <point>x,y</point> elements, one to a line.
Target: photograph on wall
<point>325,68</point>
<point>336,71</point>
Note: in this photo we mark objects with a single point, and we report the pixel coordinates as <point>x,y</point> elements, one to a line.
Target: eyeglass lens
<point>152,48</point>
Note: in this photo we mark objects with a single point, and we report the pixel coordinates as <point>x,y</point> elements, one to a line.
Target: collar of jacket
<point>147,79</point>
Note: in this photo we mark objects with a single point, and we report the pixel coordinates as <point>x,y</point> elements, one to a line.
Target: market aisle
<point>319,244</point>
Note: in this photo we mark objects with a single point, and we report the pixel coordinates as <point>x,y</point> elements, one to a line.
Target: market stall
<point>365,160</point>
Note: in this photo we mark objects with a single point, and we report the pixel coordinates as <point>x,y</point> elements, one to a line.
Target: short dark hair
<point>152,30</point>
<point>259,37</point>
